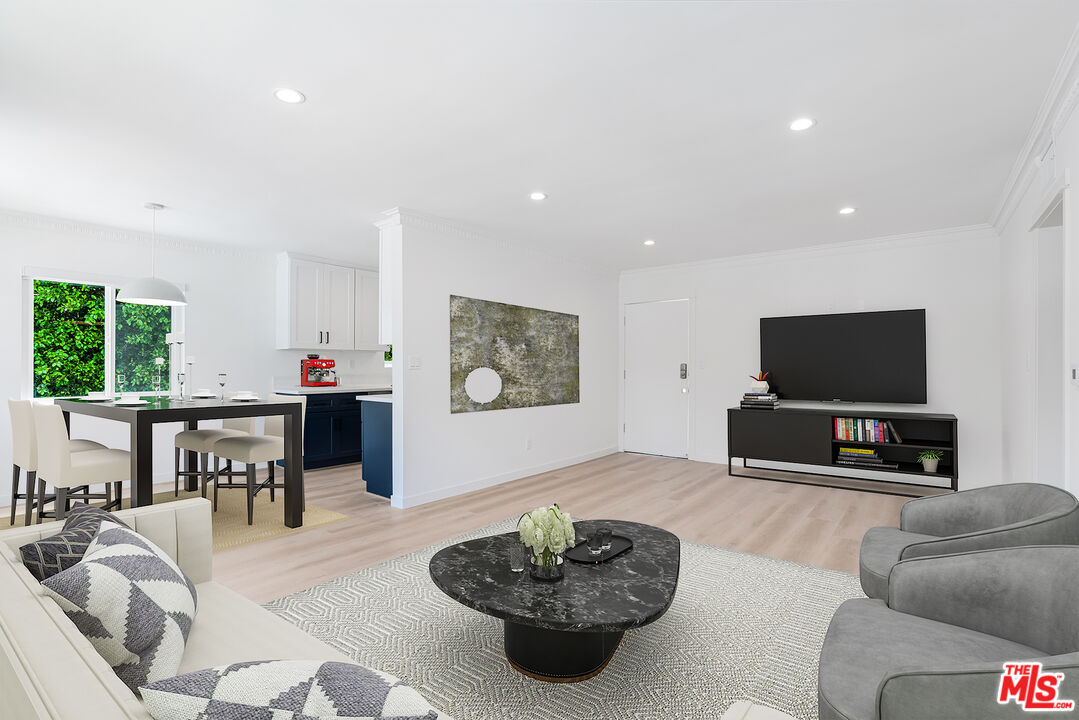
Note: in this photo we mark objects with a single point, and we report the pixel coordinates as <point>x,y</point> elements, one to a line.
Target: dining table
<point>142,418</point>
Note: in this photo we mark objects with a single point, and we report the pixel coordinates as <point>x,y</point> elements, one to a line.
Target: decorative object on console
<point>131,601</point>
<point>535,354</point>
<point>284,690</point>
<point>929,459</point>
<point>760,383</point>
<point>56,553</point>
<point>547,531</point>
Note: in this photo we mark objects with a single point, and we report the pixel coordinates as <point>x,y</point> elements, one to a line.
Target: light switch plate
<point>415,362</point>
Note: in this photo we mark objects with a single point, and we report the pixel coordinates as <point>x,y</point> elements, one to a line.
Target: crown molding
<point>1056,108</point>
<point>104,233</point>
<point>915,239</point>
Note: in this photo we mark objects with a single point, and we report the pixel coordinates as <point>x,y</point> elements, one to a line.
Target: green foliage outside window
<point>69,341</point>
<point>388,354</point>
<point>140,337</point>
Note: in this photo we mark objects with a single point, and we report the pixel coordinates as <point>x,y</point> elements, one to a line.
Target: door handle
<point>682,371</point>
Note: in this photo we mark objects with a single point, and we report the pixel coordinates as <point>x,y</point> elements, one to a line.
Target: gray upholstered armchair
<point>990,517</point>
<point>937,647</point>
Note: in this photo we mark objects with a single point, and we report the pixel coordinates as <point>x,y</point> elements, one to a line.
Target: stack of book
<point>760,401</point>
<point>866,430</point>
<point>863,457</point>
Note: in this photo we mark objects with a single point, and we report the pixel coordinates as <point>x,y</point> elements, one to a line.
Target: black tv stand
<point>806,436</point>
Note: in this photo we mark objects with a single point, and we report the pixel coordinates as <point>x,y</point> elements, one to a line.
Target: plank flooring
<point>699,502</point>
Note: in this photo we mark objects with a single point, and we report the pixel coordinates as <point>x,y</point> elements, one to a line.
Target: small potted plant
<point>929,459</point>
<point>547,532</point>
<point>760,382</point>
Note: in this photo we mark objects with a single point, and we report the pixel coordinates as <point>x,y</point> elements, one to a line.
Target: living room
<point>471,360</point>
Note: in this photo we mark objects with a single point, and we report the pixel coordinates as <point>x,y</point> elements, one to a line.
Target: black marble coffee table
<point>568,630</point>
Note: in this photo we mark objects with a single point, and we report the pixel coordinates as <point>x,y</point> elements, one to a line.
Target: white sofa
<point>49,670</point>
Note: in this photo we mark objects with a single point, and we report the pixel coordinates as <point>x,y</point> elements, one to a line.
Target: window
<point>84,341</point>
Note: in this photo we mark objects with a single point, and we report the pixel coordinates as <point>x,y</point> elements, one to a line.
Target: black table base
<point>558,655</point>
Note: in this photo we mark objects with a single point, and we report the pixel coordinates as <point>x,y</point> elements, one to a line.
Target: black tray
<point>579,552</point>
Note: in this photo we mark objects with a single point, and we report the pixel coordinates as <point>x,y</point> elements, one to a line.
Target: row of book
<point>863,457</point>
<point>760,401</point>
<point>866,430</point>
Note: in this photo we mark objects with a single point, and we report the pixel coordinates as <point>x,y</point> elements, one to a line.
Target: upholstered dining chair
<point>24,455</point>
<point>254,449</point>
<point>69,471</point>
<point>978,519</point>
<point>202,442</point>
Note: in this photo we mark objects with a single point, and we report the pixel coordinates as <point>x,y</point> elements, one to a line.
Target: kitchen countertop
<point>375,398</point>
<point>299,390</point>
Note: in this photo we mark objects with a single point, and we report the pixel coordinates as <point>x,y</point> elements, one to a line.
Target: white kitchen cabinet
<point>337,319</point>
<point>316,305</point>
<point>367,313</point>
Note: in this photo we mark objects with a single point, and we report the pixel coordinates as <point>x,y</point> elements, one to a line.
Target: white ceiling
<point>640,119</point>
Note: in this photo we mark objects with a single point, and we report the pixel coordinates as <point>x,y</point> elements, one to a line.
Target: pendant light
<point>152,290</point>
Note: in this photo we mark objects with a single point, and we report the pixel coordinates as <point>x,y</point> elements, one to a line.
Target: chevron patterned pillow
<point>48,556</point>
<point>132,603</point>
<point>286,690</point>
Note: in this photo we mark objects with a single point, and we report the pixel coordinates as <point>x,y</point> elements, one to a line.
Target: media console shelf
<point>806,436</point>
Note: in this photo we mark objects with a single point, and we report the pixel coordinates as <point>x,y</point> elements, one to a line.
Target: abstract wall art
<point>507,356</point>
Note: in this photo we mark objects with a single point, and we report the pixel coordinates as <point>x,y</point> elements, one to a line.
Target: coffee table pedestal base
<point>558,655</point>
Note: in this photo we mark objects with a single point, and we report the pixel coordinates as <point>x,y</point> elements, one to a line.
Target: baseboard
<point>471,486</point>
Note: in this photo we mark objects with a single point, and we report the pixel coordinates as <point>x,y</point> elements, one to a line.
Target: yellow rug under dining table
<point>230,521</point>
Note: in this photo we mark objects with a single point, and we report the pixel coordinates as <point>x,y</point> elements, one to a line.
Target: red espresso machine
<point>317,372</point>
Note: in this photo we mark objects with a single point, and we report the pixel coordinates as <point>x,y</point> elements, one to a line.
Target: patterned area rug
<point>741,627</point>
<point>230,521</point>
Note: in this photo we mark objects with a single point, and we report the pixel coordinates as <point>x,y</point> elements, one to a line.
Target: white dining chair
<point>202,442</point>
<point>254,449</point>
<point>24,454</point>
<point>69,471</point>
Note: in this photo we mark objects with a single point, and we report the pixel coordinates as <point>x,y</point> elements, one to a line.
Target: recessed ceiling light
<point>802,124</point>
<point>538,195</point>
<point>649,242</point>
<point>288,95</point>
<point>847,211</point>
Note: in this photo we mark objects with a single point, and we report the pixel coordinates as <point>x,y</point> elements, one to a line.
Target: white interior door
<point>656,388</point>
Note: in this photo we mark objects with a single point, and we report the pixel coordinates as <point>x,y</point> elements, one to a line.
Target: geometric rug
<point>230,526</point>
<point>741,627</point>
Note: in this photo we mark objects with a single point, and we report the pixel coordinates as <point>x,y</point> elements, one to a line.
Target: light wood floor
<point>699,502</point>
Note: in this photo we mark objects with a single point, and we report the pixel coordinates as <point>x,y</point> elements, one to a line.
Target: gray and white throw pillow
<point>286,690</point>
<point>132,603</point>
<point>48,556</point>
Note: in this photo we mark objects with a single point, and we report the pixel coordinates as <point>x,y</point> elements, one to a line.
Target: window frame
<point>111,285</point>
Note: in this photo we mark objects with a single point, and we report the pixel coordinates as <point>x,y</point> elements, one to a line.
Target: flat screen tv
<point>853,357</point>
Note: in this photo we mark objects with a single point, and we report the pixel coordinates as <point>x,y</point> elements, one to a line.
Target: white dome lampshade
<point>152,290</point>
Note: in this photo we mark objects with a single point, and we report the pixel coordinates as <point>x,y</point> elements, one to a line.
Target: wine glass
<point>180,377</point>
<point>221,379</point>
<point>121,380</point>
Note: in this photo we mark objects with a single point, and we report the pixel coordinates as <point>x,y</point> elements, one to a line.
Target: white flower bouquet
<point>547,531</point>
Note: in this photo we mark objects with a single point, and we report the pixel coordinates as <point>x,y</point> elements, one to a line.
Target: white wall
<point>439,454</point>
<point>954,275</point>
<point>229,317</point>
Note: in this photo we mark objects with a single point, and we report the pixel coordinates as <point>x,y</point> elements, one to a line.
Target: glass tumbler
<point>604,538</point>
<point>595,544</point>
<point>517,556</point>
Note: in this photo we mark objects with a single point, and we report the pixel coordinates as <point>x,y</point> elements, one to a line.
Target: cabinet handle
<point>327,337</point>
<point>319,337</point>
